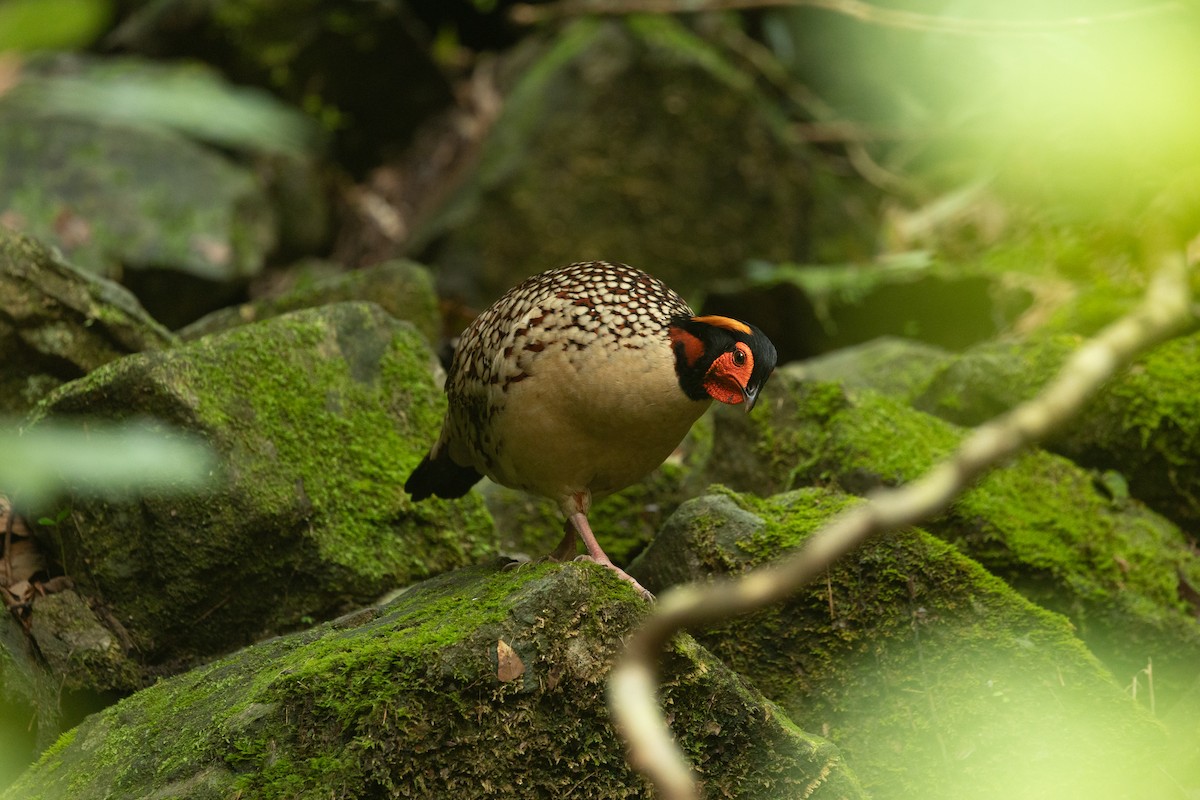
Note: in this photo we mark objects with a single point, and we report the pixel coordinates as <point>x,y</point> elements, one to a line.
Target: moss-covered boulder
<point>317,418</point>
<point>58,323</point>
<point>402,288</point>
<point>1145,424</point>
<point>635,140</point>
<point>934,678</point>
<point>484,682</point>
<point>1119,571</point>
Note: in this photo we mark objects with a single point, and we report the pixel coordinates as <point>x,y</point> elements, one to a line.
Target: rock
<point>483,682</point>
<point>109,197</point>
<point>634,140</point>
<point>76,647</point>
<point>317,418</point>
<point>1120,572</point>
<point>402,288</point>
<point>890,365</point>
<point>811,310</point>
<point>934,678</point>
<point>1145,423</point>
<point>990,378</point>
<point>58,323</point>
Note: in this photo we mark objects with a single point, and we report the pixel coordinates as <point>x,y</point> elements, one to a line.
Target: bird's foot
<point>516,561</point>
<point>622,574</point>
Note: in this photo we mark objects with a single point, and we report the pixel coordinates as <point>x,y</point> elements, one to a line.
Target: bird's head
<point>721,358</point>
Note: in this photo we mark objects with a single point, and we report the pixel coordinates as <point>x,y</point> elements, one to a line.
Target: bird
<point>577,383</point>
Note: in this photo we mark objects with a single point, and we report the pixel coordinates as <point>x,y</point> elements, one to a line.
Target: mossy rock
<point>894,366</point>
<point>317,417</point>
<point>59,323</point>
<point>400,287</point>
<point>935,678</point>
<point>635,140</point>
<point>483,682</point>
<point>1117,570</point>
<point>1145,424</point>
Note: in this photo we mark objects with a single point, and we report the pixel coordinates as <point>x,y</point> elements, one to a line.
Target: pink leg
<point>597,554</point>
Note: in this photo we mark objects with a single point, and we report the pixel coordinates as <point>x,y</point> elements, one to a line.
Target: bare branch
<point>1165,311</point>
<point>526,14</point>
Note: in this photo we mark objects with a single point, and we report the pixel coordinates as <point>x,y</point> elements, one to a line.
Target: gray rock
<point>1144,424</point>
<point>58,323</point>
<point>110,198</point>
<point>480,683</point>
<point>889,365</point>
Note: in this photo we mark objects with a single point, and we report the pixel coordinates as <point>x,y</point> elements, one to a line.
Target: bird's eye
<point>739,357</point>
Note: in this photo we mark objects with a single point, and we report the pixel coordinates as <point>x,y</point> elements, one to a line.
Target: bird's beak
<point>750,398</point>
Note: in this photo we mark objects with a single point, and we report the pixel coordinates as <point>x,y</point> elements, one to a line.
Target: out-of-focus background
<point>929,200</point>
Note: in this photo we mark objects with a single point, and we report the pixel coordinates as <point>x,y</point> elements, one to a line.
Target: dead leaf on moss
<point>509,664</point>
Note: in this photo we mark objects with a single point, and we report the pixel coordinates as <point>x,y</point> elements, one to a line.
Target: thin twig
<point>526,14</point>
<point>1165,311</point>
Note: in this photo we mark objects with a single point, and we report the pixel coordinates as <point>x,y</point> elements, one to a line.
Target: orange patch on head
<point>729,374</point>
<point>727,323</point>
<point>693,348</point>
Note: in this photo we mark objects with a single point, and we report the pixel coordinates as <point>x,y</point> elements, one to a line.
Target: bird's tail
<point>439,475</point>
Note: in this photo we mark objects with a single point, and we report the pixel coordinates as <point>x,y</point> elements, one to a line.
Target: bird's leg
<point>566,549</point>
<point>579,522</point>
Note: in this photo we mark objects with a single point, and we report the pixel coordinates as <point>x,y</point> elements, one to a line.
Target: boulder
<point>1144,424</point>
<point>934,678</point>
<point>481,683</point>
<point>316,417</point>
<point>1122,573</point>
<point>402,288</point>
<point>634,140</point>
<point>58,323</point>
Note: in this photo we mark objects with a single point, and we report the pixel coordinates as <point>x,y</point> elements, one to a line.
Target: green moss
<point>1039,522</point>
<point>934,677</point>
<point>406,698</point>
<point>318,417</point>
<point>352,473</point>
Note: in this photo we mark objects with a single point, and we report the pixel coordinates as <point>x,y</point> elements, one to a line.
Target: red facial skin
<point>729,374</point>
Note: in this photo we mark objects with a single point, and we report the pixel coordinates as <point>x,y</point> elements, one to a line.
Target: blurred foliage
<point>1085,104</point>
<point>97,458</point>
<point>192,100</point>
<point>28,25</point>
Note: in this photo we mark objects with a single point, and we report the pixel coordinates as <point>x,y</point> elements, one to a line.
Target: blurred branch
<point>526,14</point>
<point>1165,311</point>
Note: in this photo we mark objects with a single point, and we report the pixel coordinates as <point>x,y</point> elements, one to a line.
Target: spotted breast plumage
<point>580,381</point>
